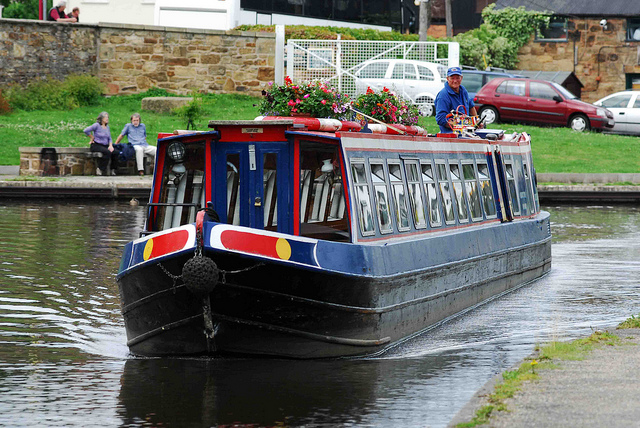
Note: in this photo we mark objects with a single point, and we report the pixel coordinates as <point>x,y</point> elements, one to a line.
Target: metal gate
<point>414,70</point>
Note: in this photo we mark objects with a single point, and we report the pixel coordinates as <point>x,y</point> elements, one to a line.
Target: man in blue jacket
<point>450,97</point>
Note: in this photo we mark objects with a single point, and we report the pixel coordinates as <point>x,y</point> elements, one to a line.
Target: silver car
<point>418,81</point>
<point>625,107</point>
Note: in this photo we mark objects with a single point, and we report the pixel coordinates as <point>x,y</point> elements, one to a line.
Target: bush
<point>86,90</point>
<point>25,9</point>
<point>315,98</point>
<point>387,107</point>
<point>40,95</point>
<point>192,111</point>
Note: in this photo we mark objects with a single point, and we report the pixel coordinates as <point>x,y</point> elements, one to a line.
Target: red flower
<point>287,80</point>
<point>370,91</point>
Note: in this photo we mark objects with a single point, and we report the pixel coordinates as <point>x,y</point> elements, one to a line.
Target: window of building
<point>445,192</point>
<point>488,201</point>
<point>378,178</point>
<point>431,192</point>
<point>415,194</point>
<point>471,189</point>
<point>557,29</point>
<point>399,196</point>
<point>363,198</point>
<point>633,29</point>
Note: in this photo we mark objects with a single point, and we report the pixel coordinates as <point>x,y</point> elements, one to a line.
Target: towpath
<point>599,391</point>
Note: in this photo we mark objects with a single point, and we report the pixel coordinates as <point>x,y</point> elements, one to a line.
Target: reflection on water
<point>63,359</point>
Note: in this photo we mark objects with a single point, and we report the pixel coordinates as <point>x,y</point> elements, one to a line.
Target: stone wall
<point>131,58</point>
<point>71,161</point>
<point>604,56</point>
<point>36,49</point>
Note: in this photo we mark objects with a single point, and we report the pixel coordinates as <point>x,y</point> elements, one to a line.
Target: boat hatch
<point>256,193</point>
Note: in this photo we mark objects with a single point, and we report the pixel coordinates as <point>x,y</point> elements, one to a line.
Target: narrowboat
<point>308,238</point>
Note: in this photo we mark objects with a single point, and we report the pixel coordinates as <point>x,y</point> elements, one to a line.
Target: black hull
<point>281,310</point>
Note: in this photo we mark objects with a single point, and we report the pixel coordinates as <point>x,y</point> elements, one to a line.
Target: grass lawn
<point>554,149</point>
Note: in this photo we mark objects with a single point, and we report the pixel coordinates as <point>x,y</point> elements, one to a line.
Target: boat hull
<point>267,307</point>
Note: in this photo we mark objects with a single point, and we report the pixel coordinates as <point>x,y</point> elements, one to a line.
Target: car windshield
<point>564,91</point>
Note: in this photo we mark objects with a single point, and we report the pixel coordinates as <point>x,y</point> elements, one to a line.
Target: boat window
<point>531,182</point>
<point>415,195</point>
<point>488,201</point>
<point>270,190</point>
<point>363,198</point>
<point>182,184</point>
<point>463,211</point>
<point>233,188</point>
<point>399,196</point>
<point>529,186</point>
<point>382,197</point>
<point>322,198</point>
<point>445,192</point>
<point>431,192</point>
<point>513,190</point>
<point>471,189</point>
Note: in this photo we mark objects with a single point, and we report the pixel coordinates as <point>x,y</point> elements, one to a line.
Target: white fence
<point>415,70</point>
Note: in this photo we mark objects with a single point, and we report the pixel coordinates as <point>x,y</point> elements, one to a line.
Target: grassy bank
<point>555,149</point>
<point>546,357</point>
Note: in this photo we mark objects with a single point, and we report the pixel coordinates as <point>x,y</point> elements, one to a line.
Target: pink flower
<point>291,103</point>
<point>306,96</point>
<point>323,102</point>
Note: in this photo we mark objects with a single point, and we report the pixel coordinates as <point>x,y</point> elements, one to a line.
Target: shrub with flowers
<point>387,107</point>
<point>314,98</point>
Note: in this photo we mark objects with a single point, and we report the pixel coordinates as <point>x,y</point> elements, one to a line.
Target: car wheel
<point>489,114</point>
<point>425,109</point>
<point>579,123</point>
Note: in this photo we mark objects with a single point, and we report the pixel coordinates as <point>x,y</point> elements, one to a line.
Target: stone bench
<point>70,161</point>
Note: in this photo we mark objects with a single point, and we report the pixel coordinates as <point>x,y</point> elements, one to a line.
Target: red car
<point>539,101</point>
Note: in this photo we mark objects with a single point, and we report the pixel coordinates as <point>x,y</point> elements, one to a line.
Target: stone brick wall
<point>134,58</point>
<point>131,58</point>
<point>604,57</point>
<point>36,49</point>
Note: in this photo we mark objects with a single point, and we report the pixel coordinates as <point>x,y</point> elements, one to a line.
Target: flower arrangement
<point>387,107</point>
<point>314,98</point>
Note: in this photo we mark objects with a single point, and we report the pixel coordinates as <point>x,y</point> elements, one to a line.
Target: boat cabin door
<point>252,184</point>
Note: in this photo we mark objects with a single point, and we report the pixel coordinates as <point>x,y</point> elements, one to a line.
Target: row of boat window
<point>410,193</point>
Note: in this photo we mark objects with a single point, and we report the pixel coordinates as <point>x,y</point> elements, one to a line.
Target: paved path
<point>599,391</point>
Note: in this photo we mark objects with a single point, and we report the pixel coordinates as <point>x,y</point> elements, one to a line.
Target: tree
<point>424,18</point>
<point>21,9</point>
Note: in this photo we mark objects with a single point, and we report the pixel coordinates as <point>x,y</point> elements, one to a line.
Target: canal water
<point>64,362</point>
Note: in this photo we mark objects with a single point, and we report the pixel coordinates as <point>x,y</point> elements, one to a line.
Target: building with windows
<point>228,14</point>
<point>598,41</point>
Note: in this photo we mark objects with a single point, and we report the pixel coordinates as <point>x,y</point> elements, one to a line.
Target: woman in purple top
<point>101,142</point>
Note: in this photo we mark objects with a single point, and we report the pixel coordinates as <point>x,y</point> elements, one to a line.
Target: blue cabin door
<point>252,184</point>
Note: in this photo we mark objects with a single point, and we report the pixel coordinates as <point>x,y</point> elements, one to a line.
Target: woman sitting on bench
<point>101,142</point>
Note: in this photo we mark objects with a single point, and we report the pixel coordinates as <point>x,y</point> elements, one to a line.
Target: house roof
<point>559,77</point>
<point>609,8</point>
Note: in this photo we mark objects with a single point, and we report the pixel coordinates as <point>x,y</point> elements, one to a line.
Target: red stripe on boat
<point>165,244</point>
<point>250,243</point>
